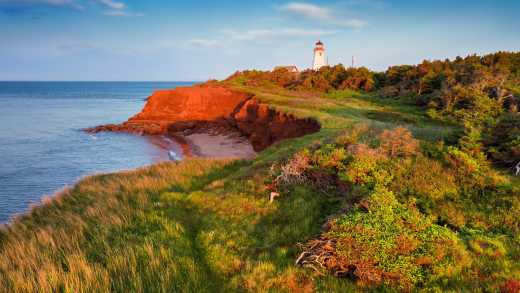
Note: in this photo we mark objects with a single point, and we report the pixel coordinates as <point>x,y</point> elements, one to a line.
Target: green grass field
<point>208,226</point>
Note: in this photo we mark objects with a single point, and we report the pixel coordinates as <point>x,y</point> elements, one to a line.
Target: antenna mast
<point>352,61</point>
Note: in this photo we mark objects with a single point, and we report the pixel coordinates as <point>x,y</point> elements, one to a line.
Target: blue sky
<point>198,40</point>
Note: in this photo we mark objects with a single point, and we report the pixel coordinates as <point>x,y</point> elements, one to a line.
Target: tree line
<point>480,93</point>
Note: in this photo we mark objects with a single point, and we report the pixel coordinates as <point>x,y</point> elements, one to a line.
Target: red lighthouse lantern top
<point>319,46</point>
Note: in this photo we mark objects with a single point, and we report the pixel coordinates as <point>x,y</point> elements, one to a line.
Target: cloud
<point>117,9</point>
<point>72,47</point>
<point>320,13</point>
<point>112,4</point>
<point>208,43</point>
<point>121,13</point>
<point>352,23</point>
<point>259,34</point>
<point>21,5</point>
<point>226,37</point>
<point>307,10</point>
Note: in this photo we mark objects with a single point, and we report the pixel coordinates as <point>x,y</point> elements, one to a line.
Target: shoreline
<point>207,143</point>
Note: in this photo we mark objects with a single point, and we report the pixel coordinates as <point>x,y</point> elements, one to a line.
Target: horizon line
<point>27,80</point>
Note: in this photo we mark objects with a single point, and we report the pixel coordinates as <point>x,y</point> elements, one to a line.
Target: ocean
<point>42,146</point>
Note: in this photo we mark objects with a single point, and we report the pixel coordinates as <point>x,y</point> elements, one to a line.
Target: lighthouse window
<point>320,54</point>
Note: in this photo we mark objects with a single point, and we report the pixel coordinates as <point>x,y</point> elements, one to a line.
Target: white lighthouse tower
<point>319,56</point>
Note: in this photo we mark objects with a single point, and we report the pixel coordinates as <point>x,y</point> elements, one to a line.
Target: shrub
<point>330,157</point>
<point>353,135</point>
<point>503,140</point>
<point>464,163</point>
<point>398,142</point>
<point>510,286</point>
<point>421,177</point>
<point>487,246</point>
<point>366,167</point>
<point>384,241</point>
<point>293,172</point>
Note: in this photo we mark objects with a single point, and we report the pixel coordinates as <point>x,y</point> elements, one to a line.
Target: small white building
<point>290,68</point>
<point>320,59</point>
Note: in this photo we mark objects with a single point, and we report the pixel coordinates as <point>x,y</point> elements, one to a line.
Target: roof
<point>319,43</point>
<point>291,68</point>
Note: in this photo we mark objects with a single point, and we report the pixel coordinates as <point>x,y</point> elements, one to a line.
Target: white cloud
<point>112,4</point>
<point>352,23</point>
<point>259,34</point>
<point>63,3</point>
<point>320,13</point>
<point>121,13</point>
<point>69,47</point>
<point>208,43</point>
<point>307,10</point>
<point>117,9</point>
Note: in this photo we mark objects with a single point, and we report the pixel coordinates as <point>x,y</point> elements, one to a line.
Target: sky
<point>170,40</point>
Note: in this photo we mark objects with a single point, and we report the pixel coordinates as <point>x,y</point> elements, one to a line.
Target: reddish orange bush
<point>398,142</point>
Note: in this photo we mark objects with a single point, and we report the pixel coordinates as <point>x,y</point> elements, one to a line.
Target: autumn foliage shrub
<point>411,213</point>
<point>366,167</point>
<point>389,242</point>
<point>352,135</point>
<point>398,142</point>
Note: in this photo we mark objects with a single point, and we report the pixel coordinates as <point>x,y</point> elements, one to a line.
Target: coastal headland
<point>215,110</point>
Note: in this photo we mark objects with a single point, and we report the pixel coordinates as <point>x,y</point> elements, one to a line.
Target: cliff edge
<point>204,107</point>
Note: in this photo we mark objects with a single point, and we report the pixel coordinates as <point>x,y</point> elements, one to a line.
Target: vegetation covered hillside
<point>481,94</point>
<point>392,194</point>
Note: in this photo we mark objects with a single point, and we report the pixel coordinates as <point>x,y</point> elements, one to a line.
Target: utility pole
<point>352,61</point>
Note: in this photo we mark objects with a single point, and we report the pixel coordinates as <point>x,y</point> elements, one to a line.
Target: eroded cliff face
<point>201,108</point>
<point>182,104</point>
<point>203,103</point>
<point>265,126</point>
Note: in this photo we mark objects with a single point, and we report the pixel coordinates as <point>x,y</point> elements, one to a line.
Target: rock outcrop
<point>211,107</point>
<point>182,104</point>
<point>204,103</point>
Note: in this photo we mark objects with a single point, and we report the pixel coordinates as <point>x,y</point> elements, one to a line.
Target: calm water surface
<point>42,147</point>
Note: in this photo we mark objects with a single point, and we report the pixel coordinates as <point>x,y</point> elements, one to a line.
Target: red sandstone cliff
<point>264,126</point>
<point>198,108</point>
<point>204,103</point>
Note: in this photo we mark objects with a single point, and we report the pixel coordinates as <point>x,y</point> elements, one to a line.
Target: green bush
<point>394,243</point>
<point>503,140</point>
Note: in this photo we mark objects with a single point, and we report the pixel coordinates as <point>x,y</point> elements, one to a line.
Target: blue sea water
<point>42,147</point>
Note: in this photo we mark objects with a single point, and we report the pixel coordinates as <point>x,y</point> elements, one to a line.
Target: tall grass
<point>188,227</point>
<point>98,235</point>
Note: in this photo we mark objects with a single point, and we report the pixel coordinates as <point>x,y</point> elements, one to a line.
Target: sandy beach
<point>230,145</point>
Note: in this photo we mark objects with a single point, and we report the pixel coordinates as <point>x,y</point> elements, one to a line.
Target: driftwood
<point>517,169</point>
<point>320,256</point>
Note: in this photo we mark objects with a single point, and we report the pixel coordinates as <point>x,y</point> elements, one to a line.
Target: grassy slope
<point>201,225</point>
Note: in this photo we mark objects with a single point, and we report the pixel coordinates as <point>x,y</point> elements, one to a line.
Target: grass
<point>188,227</point>
<point>207,225</point>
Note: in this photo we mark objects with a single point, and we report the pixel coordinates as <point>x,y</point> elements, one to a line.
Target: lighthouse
<point>319,56</point>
